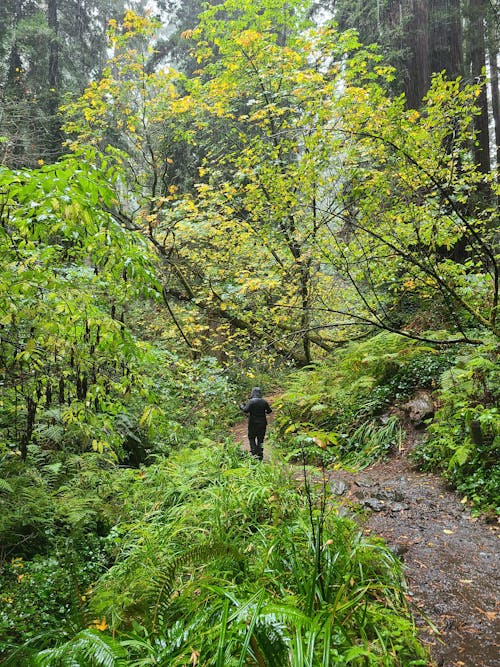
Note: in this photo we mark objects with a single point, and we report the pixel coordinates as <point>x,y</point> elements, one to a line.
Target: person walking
<point>257,409</point>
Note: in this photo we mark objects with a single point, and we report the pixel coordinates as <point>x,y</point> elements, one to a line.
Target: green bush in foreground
<point>222,561</point>
<point>464,438</point>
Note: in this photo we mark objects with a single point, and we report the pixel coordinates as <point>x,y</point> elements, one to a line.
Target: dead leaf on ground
<point>490,615</point>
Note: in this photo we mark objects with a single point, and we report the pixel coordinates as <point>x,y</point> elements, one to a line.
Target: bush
<point>224,559</point>
<point>342,402</point>
<point>46,596</point>
<point>464,438</point>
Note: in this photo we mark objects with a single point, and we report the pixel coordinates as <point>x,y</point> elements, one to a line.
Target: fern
<point>5,486</point>
<point>164,583</point>
<point>371,441</point>
<point>88,647</point>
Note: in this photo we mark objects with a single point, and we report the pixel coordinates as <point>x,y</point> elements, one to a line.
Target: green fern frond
<point>5,486</point>
<point>269,644</point>
<point>164,584</point>
<point>88,647</point>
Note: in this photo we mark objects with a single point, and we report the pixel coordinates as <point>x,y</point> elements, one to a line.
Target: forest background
<point>197,198</point>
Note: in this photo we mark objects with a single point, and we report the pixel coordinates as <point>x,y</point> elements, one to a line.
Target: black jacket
<point>257,408</point>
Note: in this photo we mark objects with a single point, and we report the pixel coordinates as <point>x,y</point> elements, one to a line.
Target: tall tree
<point>54,139</point>
<point>308,180</point>
<point>47,49</point>
<point>418,37</point>
<point>476,12</point>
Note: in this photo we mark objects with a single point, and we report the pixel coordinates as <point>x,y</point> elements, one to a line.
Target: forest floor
<point>450,557</point>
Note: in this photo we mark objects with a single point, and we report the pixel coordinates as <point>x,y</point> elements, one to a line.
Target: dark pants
<point>256,436</point>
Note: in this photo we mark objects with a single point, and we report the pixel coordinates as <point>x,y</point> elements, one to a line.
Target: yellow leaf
<point>99,624</point>
<point>448,532</point>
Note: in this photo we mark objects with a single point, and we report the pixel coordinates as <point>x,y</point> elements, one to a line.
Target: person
<point>257,409</point>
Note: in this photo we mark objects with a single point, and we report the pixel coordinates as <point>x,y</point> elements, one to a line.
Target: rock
<point>374,504</point>
<point>398,550</point>
<point>420,408</point>
<point>338,487</point>
<point>365,482</point>
<point>398,507</point>
<point>389,494</point>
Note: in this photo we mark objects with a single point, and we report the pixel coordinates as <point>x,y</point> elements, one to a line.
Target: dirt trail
<point>450,558</point>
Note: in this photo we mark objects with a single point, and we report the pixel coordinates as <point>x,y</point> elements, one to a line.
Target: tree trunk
<point>495,100</point>
<point>418,65</point>
<point>477,64</point>
<point>446,37</point>
<point>31,407</point>
<point>54,81</point>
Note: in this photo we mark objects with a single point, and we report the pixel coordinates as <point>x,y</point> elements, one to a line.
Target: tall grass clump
<point>219,560</point>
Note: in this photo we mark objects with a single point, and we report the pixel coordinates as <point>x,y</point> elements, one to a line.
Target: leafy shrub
<point>26,507</point>
<point>221,557</point>
<point>464,440</point>
<point>420,372</point>
<point>348,395</point>
<point>46,595</point>
<point>371,441</point>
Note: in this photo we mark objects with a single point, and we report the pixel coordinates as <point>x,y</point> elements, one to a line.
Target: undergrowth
<point>216,558</point>
<point>345,411</point>
<point>341,410</point>
<point>464,438</point>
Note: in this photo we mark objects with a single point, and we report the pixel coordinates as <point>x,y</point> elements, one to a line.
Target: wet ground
<point>450,557</point>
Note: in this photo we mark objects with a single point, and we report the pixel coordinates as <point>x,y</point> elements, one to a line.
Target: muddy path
<point>450,558</point>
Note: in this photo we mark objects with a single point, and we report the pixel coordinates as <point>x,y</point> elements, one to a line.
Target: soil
<point>450,557</point>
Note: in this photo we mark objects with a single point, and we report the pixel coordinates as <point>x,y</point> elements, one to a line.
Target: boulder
<point>420,407</point>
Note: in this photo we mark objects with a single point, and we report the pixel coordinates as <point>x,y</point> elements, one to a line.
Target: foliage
<point>313,206</point>
<point>464,438</point>
<point>338,410</point>
<point>68,269</point>
<point>442,241</point>
<point>372,441</point>
<point>46,50</point>
<point>46,594</point>
<point>276,202</point>
<point>219,557</point>
<point>343,411</point>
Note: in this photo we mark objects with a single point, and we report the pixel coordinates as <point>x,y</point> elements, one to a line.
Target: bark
<point>418,66</point>
<point>446,37</point>
<point>54,81</point>
<point>31,407</point>
<point>434,39</point>
<point>495,101</point>
<point>477,64</point>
